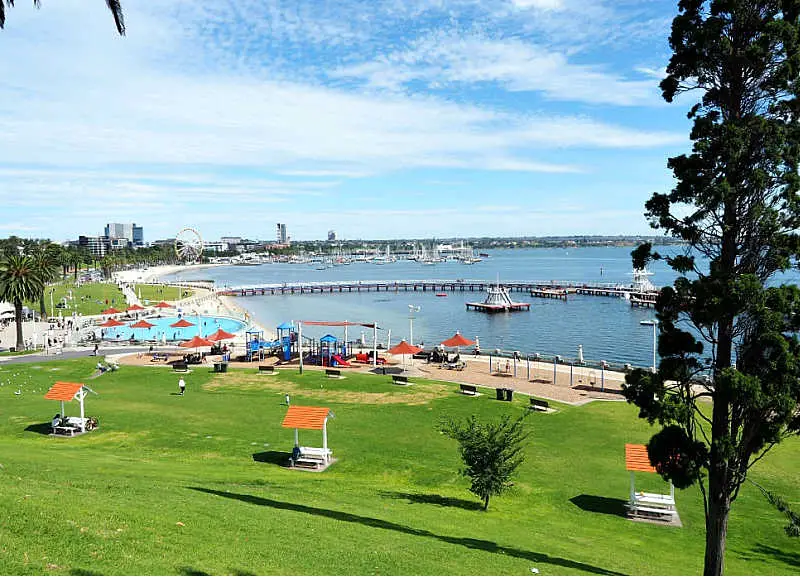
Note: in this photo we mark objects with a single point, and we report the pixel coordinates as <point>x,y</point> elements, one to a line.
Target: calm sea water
<point>608,328</point>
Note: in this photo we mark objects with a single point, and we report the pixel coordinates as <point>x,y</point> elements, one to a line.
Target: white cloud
<point>539,4</point>
<point>512,64</point>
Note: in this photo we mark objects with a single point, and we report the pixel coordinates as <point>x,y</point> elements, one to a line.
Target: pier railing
<point>460,285</point>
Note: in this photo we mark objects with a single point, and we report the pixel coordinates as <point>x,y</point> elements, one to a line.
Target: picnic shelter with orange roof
<point>65,392</point>
<point>653,505</point>
<point>309,418</point>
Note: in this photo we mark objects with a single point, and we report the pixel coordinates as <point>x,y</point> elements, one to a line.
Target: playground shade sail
<point>142,324</point>
<point>112,323</point>
<point>182,324</point>
<point>163,305</point>
<point>111,311</point>
<point>62,391</point>
<point>135,308</point>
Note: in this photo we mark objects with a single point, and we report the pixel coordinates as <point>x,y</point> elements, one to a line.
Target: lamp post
<point>52,308</point>
<point>654,323</point>
<point>411,310</point>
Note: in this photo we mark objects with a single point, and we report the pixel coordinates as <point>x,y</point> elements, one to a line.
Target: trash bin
<point>500,394</point>
<point>223,367</point>
<point>509,394</point>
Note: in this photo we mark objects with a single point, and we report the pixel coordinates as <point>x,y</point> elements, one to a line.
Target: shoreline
<point>154,273</point>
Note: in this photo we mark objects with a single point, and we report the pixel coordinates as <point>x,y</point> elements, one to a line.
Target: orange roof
<point>305,417</point>
<point>63,391</point>
<point>636,459</point>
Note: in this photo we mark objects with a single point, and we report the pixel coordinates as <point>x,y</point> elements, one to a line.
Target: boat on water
<point>483,254</point>
<point>441,294</point>
<point>498,300</point>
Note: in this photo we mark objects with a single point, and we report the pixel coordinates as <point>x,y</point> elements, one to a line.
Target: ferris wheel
<point>188,245</point>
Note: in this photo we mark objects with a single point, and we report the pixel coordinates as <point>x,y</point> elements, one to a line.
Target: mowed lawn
<point>190,485</point>
<point>87,299</point>
<point>156,293</point>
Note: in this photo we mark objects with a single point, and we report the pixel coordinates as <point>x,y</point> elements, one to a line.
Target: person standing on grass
<point>182,385</point>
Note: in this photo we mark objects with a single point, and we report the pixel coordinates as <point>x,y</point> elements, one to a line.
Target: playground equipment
<point>345,324</point>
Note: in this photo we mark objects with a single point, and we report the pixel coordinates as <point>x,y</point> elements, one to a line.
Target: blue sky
<point>379,119</point>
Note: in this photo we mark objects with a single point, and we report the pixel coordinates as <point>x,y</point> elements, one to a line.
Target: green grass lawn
<point>87,299</point>
<point>156,293</point>
<point>190,485</point>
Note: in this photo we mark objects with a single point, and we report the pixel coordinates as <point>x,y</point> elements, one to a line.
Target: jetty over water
<point>536,288</point>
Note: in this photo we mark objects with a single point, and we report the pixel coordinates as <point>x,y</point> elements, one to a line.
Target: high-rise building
<point>331,235</point>
<point>281,236</point>
<point>138,236</point>
<point>97,245</point>
<point>132,235</point>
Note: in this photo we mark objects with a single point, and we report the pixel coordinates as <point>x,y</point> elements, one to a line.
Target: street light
<point>411,310</point>
<point>653,322</point>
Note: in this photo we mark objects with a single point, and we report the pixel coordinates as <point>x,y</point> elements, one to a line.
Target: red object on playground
<point>163,305</point>
<point>220,335</point>
<point>182,324</point>
<point>112,323</point>
<point>111,311</point>
<point>142,324</point>
<point>362,358</point>
<point>340,361</point>
<point>135,307</point>
<point>196,342</point>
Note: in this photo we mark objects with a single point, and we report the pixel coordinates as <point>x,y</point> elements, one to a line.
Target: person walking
<point>181,386</point>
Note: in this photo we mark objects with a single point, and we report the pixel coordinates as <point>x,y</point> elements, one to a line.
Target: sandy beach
<point>154,273</point>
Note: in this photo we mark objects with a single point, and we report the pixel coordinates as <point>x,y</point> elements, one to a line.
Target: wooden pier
<point>434,286</point>
<point>560,294</point>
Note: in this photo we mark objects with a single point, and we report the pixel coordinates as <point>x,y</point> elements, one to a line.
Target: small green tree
<point>491,452</point>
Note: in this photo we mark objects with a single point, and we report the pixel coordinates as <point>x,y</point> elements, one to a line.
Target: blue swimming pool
<point>203,325</point>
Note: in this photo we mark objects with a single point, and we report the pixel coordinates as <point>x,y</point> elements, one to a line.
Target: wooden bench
<point>538,405</point>
<point>471,390</point>
<point>180,368</point>
<point>333,373</point>
<point>400,380</point>
<point>266,370</point>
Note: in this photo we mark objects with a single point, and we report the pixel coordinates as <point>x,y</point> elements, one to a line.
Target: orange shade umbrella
<point>142,324</point>
<point>403,348</point>
<point>112,323</point>
<point>163,305</point>
<point>111,311</point>
<point>457,341</point>
<point>182,324</point>
<point>220,335</point>
<point>135,308</point>
<point>195,342</point>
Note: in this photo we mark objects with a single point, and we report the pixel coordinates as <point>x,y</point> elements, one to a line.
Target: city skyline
<point>378,120</point>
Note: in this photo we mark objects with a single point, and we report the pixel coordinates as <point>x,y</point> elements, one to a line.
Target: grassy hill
<point>191,485</point>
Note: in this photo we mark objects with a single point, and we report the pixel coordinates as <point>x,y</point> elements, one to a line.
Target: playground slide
<point>340,361</point>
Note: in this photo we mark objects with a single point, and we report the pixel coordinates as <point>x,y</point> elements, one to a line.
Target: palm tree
<point>45,259</point>
<point>114,5</point>
<point>19,282</point>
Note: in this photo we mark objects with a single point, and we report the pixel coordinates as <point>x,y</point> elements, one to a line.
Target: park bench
<point>266,370</point>
<point>471,390</point>
<point>538,405</point>
<point>400,380</point>
<point>159,357</point>
<point>180,368</point>
<point>312,457</point>
<point>333,373</point>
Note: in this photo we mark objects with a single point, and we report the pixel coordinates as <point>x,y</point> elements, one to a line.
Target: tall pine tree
<point>728,391</point>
